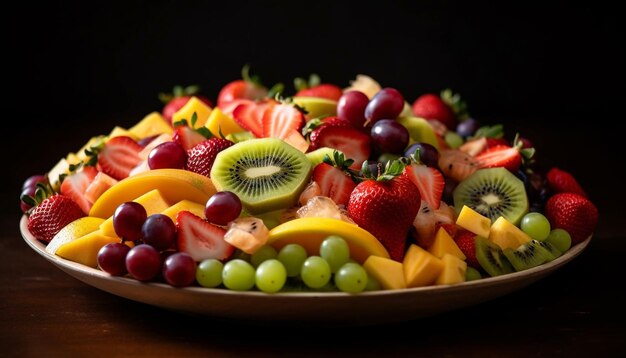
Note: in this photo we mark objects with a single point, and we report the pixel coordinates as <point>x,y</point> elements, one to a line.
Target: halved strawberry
<point>323,90</point>
<point>281,119</point>
<point>429,181</point>
<point>201,239</point>
<point>75,185</point>
<point>315,126</point>
<point>229,107</point>
<point>99,185</point>
<point>333,179</point>
<point>187,137</point>
<point>250,116</point>
<point>119,156</point>
<point>500,156</point>
<point>352,142</point>
<point>466,241</point>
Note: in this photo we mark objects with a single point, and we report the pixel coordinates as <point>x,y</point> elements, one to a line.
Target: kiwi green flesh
<point>491,258</point>
<point>527,256</point>
<point>317,156</point>
<point>493,192</point>
<point>551,250</point>
<point>266,174</point>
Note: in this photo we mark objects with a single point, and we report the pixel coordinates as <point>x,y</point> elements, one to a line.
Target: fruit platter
<point>327,203</point>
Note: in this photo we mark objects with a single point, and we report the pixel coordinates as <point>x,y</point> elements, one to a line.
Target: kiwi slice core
<point>266,174</point>
<point>493,192</point>
<point>491,258</point>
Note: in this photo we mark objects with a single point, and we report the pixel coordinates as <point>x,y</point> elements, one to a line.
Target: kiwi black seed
<point>491,258</point>
<point>551,250</point>
<point>493,192</point>
<point>527,256</point>
<point>266,174</point>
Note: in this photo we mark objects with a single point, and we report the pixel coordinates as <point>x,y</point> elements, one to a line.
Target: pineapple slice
<point>453,270</point>
<point>473,221</point>
<point>507,235</point>
<point>420,267</point>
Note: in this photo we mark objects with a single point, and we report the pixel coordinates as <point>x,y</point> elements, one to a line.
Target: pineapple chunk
<point>444,244</point>
<point>387,272</point>
<point>92,142</point>
<point>194,105</point>
<point>121,132</point>
<point>184,205</point>
<point>152,124</point>
<point>507,235</point>
<point>420,267</point>
<point>218,121</point>
<point>453,270</point>
<point>84,250</point>
<point>473,221</point>
<point>72,158</point>
<point>62,167</point>
<point>152,201</point>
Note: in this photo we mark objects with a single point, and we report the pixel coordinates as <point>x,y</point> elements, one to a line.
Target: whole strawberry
<point>201,157</point>
<point>466,241</point>
<point>178,99</point>
<point>572,213</point>
<point>51,215</point>
<point>561,181</point>
<point>386,207</point>
<point>446,108</point>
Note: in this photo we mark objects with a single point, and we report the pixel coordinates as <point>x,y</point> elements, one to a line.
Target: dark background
<point>554,72</point>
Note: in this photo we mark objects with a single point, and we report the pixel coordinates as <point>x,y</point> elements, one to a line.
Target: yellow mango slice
<point>507,235</point>
<point>420,267</point>
<point>444,244</point>
<point>453,271</point>
<point>84,250</point>
<point>472,221</point>
<point>72,231</point>
<point>194,105</point>
<point>152,124</point>
<point>387,272</point>
<point>184,205</point>
<point>218,121</point>
<point>154,203</point>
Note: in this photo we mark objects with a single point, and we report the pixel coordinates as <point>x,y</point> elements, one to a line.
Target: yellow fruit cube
<point>72,158</point>
<point>218,121</point>
<point>62,167</point>
<point>154,203</point>
<point>121,132</point>
<point>194,105</point>
<point>473,221</point>
<point>507,235</point>
<point>420,267</point>
<point>453,270</point>
<point>84,250</point>
<point>184,205</point>
<point>93,141</point>
<point>152,124</point>
<point>444,244</point>
<point>387,272</point>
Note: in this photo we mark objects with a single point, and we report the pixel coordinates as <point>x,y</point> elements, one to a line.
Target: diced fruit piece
<point>60,168</point>
<point>466,241</point>
<point>84,250</point>
<point>493,193</point>
<point>353,143</point>
<point>424,225</point>
<point>507,235</point>
<point>317,156</point>
<point>153,202</point>
<point>52,215</point>
<point>266,174</point>
<point>456,164</point>
<point>473,221</point>
<point>150,125</point>
<point>72,231</point>
<point>445,245</point>
<point>184,205</point>
<point>420,131</point>
<point>429,182</point>
<point>365,84</point>
<point>316,107</point>
<point>187,137</point>
<point>119,156</point>
<point>121,132</point>
<point>453,271</point>
<point>387,272</point>
<point>101,183</point>
<point>201,239</point>
<point>75,185</point>
<point>572,213</point>
<point>296,140</point>
<point>334,181</point>
<point>491,258</point>
<point>420,267</point>
<point>177,100</point>
<point>200,159</point>
<point>219,122</point>
<point>561,181</point>
<point>526,256</point>
<point>194,105</point>
<point>247,234</point>
<point>322,207</point>
<point>475,146</point>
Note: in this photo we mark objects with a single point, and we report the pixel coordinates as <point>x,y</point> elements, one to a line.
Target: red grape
<point>179,269</point>
<point>28,191</point>
<point>33,180</point>
<point>128,219</point>
<point>429,155</point>
<point>351,107</point>
<point>386,104</point>
<point>167,155</point>
<point>112,258</point>
<point>159,231</point>
<point>389,136</point>
<point>222,208</point>
<point>143,262</point>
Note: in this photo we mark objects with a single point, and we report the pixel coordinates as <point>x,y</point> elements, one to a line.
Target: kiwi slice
<point>528,255</point>
<point>493,192</point>
<point>266,174</point>
<point>491,258</point>
<point>551,250</point>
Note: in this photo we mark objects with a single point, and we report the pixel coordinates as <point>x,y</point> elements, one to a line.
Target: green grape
<point>292,256</point>
<point>372,284</point>
<point>315,272</point>
<point>238,275</point>
<point>351,278</point>
<point>209,273</point>
<point>536,226</point>
<point>471,274</point>
<point>453,140</point>
<point>264,253</point>
<point>271,276</point>
<point>335,251</point>
<point>560,239</point>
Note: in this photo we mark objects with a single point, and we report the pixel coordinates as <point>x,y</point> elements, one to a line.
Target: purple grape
<point>386,104</point>
<point>351,107</point>
<point>389,136</point>
<point>179,269</point>
<point>167,155</point>
<point>222,208</point>
<point>468,127</point>
<point>143,262</point>
<point>33,180</point>
<point>128,219</point>
<point>159,231</point>
<point>28,191</point>
<point>147,140</point>
<point>429,155</point>
<point>112,258</point>
<point>448,190</point>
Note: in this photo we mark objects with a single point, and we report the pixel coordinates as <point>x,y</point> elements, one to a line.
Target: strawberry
<point>314,127</point>
<point>99,185</point>
<point>187,137</point>
<point>494,142</point>
<point>201,157</point>
<point>178,99</point>
<point>324,90</point>
<point>451,229</point>
<point>201,239</point>
<point>119,156</point>
<point>51,215</point>
<point>429,181</point>
<point>333,178</point>
<point>249,115</point>
<point>386,207</point>
<point>75,185</point>
<point>561,181</point>
<point>247,88</point>
<point>500,156</point>
<point>466,241</point>
<point>281,119</point>
<point>432,107</point>
<point>573,213</point>
<point>352,142</point>
<point>229,107</point>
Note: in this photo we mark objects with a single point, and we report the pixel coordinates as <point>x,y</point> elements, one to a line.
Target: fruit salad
<point>323,188</point>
